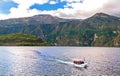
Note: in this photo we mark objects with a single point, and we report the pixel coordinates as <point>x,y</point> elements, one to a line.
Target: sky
<point>70,9</point>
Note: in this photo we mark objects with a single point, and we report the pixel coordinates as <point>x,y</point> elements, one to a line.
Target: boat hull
<point>84,65</point>
<point>81,65</point>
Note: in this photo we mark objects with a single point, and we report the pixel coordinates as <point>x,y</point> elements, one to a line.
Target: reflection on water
<point>45,61</point>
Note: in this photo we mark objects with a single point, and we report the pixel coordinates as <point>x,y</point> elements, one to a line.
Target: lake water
<point>42,61</point>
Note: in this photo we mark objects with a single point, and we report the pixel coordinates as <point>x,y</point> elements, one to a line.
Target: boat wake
<point>72,64</point>
<point>36,54</point>
<point>64,62</point>
<point>52,58</point>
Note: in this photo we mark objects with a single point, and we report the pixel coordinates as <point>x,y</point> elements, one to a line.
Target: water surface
<point>42,61</point>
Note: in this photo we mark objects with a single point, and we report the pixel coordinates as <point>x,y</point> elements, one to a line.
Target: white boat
<point>79,63</point>
<point>75,63</point>
<point>84,65</point>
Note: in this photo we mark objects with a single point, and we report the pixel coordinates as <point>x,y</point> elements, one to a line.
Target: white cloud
<point>2,16</point>
<point>53,1</point>
<point>22,9</point>
<point>69,1</point>
<point>78,10</point>
<point>90,7</point>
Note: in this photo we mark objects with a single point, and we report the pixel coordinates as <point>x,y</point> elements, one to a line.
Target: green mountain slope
<point>99,30</point>
<point>21,40</point>
<point>83,33</point>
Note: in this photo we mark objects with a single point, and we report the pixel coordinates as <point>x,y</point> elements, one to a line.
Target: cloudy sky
<point>78,9</point>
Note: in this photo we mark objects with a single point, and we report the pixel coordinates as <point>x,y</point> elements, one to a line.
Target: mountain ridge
<point>58,31</point>
<point>41,19</point>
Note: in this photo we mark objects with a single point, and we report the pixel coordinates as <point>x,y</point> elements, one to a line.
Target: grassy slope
<point>21,40</point>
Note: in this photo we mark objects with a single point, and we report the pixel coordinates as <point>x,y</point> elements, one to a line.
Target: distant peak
<point>42,15</point>
<point>101,15</point>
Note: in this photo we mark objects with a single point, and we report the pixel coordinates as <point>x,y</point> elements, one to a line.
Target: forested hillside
<point>21,40</point>
<point>99,30</point>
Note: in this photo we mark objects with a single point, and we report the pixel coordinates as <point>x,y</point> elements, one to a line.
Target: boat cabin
<point>78,61</point>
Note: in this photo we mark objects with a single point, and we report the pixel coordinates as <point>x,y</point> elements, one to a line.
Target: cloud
<point>5,6</point>
<point>53,2</point>
<point>22,9</point>
<point>89,8</point>
<point>73,9</point>
<point>112,7</point>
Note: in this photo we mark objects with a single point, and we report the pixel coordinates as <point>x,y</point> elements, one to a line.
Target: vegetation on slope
<point>99,30</point>
<point>18,39</point>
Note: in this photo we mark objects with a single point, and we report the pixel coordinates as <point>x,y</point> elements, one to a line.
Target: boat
<point>79,63</point>
<point>75,62</point>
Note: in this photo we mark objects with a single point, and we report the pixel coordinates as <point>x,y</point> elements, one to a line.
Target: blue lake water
<point>42,61</point>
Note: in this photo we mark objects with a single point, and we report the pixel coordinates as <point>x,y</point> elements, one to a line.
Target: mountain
<point>105,27</point>
<point>39,25</point>
<point>21,40</point>
<point>99,30</point>
<point>102,20</point>
<point>37,19</point>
